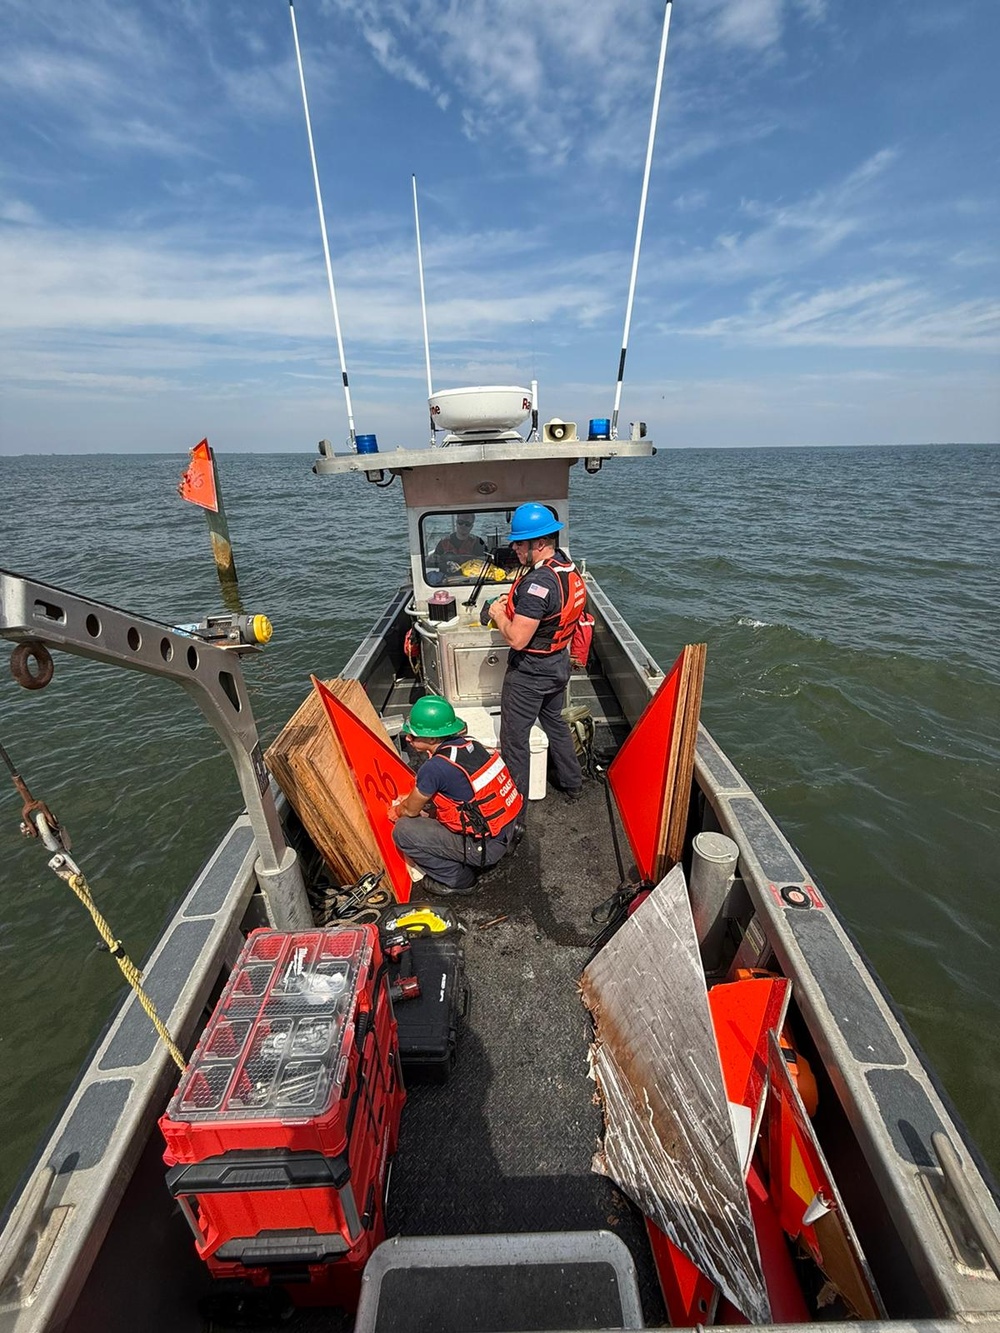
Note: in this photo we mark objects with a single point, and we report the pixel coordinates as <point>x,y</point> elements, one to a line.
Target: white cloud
<point>19,213</point>
<point>975,256</point>
<point>891,313</point>
<point>818,408</point>
<point>690,201</point>
<point>265,90</point>
<point>142,79</point>
<point>557,78</point>
<point>768,239</point>
<point>87,311</point>
<point>755,24</point>
<point>386,51</point>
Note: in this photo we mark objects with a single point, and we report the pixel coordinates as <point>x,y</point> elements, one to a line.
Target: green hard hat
<point>432,716</point>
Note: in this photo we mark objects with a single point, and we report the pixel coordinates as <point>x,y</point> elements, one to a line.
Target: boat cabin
<point>459,499</point>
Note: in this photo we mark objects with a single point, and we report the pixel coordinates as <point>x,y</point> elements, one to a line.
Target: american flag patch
<point>537,590</point>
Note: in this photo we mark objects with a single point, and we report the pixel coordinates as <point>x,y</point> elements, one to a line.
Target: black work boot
<point>439,890</point>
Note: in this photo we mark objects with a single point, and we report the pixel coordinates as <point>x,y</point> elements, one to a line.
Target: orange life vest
<point>495,803</point>
<point>463,546</point>
<point>555,630</point>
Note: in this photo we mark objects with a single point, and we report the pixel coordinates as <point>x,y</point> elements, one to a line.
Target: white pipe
<point>322,227</point>
<point>642,217</point>
<point>533,435</point>
<point>713,864</point>
<point>423,306</point>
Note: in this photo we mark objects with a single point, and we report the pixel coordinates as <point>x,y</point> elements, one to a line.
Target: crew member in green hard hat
<point>469,791</point>
<point>537,618</point>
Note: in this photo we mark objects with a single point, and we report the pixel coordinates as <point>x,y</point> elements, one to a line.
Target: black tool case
<point>428,1026</point>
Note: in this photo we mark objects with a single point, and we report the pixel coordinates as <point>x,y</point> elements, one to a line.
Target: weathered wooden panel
<point>311,769</point>
<point>669,1141</point>
<point>678,797</point>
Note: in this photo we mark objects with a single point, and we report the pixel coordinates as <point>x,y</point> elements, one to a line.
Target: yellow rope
<point>131,973</point>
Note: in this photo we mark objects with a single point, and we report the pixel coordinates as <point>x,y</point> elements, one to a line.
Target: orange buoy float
<point>798,1066</point>
<point>801,1072</point>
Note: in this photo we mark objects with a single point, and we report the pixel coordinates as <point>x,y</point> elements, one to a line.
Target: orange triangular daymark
<point>638,773</point>
<point>743,1013</point>
<point>798,1173</point>
<point>380,776</point>
<point>691,1298</point>
<point>797,1168</point>
<point>197,483</point>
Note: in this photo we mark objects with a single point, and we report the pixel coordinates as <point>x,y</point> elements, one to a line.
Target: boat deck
<point>506,1144</point>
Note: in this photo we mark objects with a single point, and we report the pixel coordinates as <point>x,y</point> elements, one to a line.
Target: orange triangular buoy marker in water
<point>380,776</point>
<point>197,483</point>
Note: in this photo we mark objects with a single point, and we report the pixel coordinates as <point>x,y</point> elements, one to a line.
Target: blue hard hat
<point>533,520</point>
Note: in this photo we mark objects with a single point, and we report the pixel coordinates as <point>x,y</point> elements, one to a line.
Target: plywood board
<point>669,1141</point>
<point>380,777</point>
<point>312,770</point>
<point>679,792</point>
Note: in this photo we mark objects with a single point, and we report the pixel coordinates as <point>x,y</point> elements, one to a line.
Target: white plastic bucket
<point>482,726</point>
<point>539,747</point>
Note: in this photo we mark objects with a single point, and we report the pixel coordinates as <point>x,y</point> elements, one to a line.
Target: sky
<point>820,263</point>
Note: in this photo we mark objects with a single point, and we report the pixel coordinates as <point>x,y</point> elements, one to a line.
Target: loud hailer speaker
<point>559,432</point>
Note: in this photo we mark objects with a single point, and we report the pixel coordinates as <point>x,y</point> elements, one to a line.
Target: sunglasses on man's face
<point>464,523</point>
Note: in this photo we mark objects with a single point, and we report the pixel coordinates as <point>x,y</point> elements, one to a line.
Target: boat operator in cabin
<point>470,793</point>
<point>460,545</point>
<point>537,618</point>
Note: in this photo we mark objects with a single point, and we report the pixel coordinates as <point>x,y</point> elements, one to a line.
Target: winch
<point>236,631</point>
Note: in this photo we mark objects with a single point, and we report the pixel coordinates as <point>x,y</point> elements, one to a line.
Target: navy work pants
<point>534,687</point>
<point>450,858</point>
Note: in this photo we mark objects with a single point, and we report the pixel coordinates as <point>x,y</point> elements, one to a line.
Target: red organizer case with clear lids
<point>281,1129</point>
<point>270,1067</point>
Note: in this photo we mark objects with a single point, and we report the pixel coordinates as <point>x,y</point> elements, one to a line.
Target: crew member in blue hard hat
<point>537,618</point>
<point>470,793</point>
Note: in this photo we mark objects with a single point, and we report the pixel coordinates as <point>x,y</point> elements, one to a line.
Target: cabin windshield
<point>454,544</point>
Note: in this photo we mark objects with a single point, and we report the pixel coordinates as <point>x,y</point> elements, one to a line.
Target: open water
<point>848,598</point>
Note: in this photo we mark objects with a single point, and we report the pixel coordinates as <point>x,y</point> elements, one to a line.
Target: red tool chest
<point>280,1131</point>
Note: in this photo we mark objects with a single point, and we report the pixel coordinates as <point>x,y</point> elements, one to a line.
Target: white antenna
<point>423,306</point>
<point>322,227</point>
<point>642,218</point>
